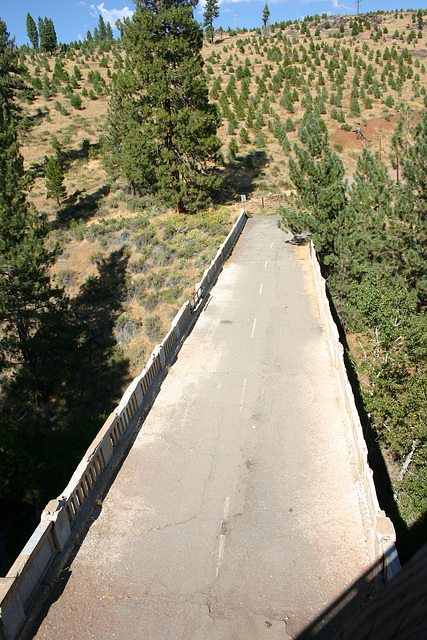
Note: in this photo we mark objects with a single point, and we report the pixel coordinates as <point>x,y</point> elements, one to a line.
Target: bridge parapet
<point>380,532</point>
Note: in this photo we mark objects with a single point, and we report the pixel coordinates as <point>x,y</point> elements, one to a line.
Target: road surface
<point>237,514</point>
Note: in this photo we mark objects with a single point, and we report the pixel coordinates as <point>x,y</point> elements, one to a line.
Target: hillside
<point>262,86</point>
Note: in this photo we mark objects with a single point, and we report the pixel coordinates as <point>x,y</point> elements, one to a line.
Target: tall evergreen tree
<point>411,211</point>
<point>127,136</point>
<point>47,33</point>
<point>32,32</point>
<point>102,29</point>
<point>210,14</point>
<point>13,88</point>
<point>109,32</point>
<point>362,237</point>
<point>265,17</point>
<point>42,36</point>
<point>318,175</point>
<point>27,298</point>
<point>50,36</point>
<point>162,129</point>
<point>54,180</point>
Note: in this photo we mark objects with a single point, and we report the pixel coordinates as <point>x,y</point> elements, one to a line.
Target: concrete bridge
<point>245,508</point>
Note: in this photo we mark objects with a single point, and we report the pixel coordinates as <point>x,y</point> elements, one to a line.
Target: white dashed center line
<point>227,504</point>
<point>253,328</point>
<point>222,536</point>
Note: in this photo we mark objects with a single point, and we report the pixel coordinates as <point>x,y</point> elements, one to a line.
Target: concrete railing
<point>63,519</point>
<point>380,533</point>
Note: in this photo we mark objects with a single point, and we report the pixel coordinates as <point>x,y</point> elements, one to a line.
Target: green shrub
<point>153,327</point>
<point>260,141</point>
<point>233,149</point>
<point>244,136</point>
<point>76,101</point>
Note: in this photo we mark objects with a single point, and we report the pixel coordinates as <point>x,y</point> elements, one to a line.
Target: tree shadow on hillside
<point>96,309</point>
<point>80,207</point>
<point>67,158</point>
<point>43,443</point>
<point>239,176</point>
<point>38,169</point>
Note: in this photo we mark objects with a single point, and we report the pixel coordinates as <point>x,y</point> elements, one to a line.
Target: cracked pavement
<point>237,513</point>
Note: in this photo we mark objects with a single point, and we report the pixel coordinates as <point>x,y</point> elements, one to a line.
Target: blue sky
<point>72,18</point>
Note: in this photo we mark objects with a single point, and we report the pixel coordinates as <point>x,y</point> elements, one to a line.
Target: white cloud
<point>202,4</point>
<point>341,6</point>
<point>112,15</point>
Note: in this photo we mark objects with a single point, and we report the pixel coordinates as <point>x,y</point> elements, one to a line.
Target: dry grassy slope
<point>161,271</point>
<point>85,178</point>
<point>377,122</point>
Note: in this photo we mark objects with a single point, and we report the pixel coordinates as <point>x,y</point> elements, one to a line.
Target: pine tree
<point>162,129</point>
<point>126,137</point>
<point>102,30</point>
<point>13,88</point>
<point>47,34</point>
<point>109,32</point>
<point>54,180</point>
<point>411,211</point>
<point>50,36</point>
<point>265,17</point>
<point>32,32</point>
<point>210,14</point>
<point>27,298</point>
<point>362,239</point>
<point>318,175</point>
<point>42,33</point>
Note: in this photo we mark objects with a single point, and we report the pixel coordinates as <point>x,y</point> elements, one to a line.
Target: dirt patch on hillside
<point>374,128</point>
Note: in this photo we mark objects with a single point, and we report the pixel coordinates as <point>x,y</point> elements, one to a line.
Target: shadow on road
<point>398,610</point>
<point>332,620</point>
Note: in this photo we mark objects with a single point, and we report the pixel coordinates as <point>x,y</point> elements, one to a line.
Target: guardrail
<point>63,519</point>
<point>380,535</point>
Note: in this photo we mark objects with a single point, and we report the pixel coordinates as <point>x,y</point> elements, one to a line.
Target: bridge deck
<point>237,513</point>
